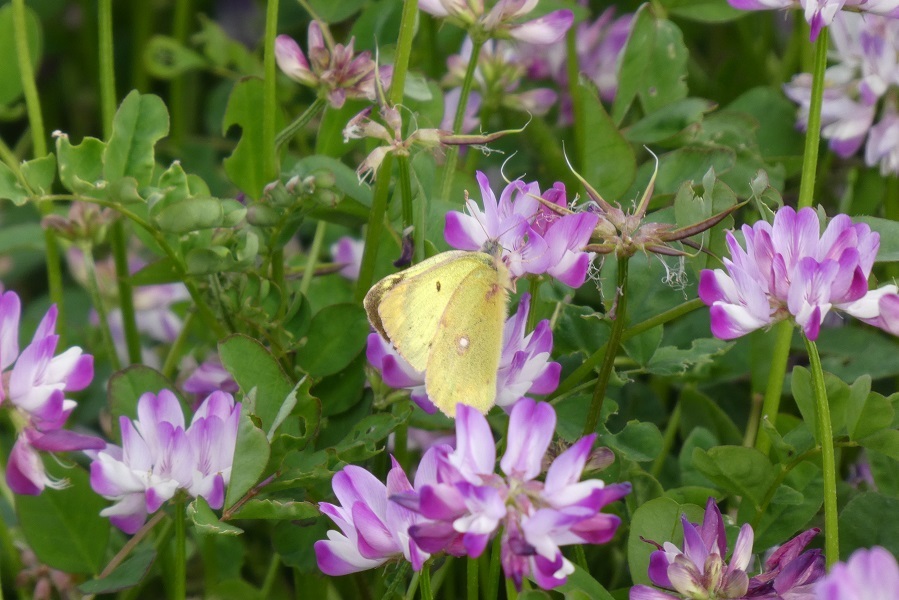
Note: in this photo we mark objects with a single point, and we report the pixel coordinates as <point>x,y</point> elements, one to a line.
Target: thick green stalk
<point>577,107</point>
<point>828,456</point>
<point>269,99</point>
<point>270,576</point>
<point>39,143</point>
<point>403,52</point>
<point>667,441</point>
<point>312,258</point>
<point>452,153</point>
<point>375,227</point>
<point>612,346</point>
<point>180,575</point>
<point>405,184</point>
<point>493,576</point>
<point>784,331</point>
<point>424,582</point>
<point>141,29</point>
<point>174,355</point>
<point>107,66</point>
<point>179,102</point>
<point>93,288</point>
<point>579,374</point>
<point>297,124</point>
<point>472,579</point>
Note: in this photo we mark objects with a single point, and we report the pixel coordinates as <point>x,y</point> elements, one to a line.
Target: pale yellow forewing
<point>405,308</point>
<point>466,349</point>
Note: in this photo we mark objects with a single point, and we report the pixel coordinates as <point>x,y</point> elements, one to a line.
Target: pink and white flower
<point>506,19</point>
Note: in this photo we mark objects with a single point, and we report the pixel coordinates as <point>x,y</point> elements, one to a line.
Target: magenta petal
<point>547,29</point>
<point>25,471</point>
<point>63,440</point>
<point>531,428</point>
<point>658,569</point>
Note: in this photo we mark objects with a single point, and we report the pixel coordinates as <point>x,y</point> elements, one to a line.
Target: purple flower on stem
<point>373,530</point>
<point>790,269</point>
<point>790,573</point>
<point>821,13</point>
<point>467,501</point>
<point>36,387</point>
<point>210,376</point>
<point>532,242</point>
<point>867,575</point>
<point>159,456</point>
<point>504,20</point>
<point>524,365</point>
<point>348,252</point>
<point>332,68</point>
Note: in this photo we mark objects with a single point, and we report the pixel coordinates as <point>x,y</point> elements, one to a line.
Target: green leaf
<point>10,188</point>
<point>885,441</point>
<point>868,520</point>
<point>250,458</point>
<point>704,11</point>
<point>335,12</point>
<point>658,520</point>
<point>254,367</point>
<point>126,575</point>
<point>246,166</point>
<point>167,58</point>
<point>609,163</point>
<point>283,510</point>
<point>127,386</point>
<point>868,414</point>
<point>670,360</point>
<point>341,391</point>
<point>638,441</point>
<point>885,471</point>
<point>193,214</point>
<point>22,236</point>
<point>668,121</point>
<point>740,471</point>
<point>335,337</point>
<point>141,121</point>
<point>81,166</point>
<point>690,208</point>
<point>361,443</point>
<point>10,75</point>
<point>206,520</point>
<point>40,173</point>
<point>698,410</point>
<point>64,527</point>
<point>889,237</point>
<point>653,65</point>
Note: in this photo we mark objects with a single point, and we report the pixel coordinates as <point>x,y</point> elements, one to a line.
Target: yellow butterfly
<point>445,316</point>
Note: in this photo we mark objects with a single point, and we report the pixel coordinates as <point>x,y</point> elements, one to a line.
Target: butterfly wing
<point>405,308</point>
<point>466,347</point>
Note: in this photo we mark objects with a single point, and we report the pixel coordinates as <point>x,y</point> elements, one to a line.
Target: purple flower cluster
<point>159,457</point>
<point>867,575</point>
<point>821,13</point>
<point>699,571</point>
<point>333,69</point>
<point>459,502</point>
<point>789,269</point>
<point>534,239</point>
<point>859,87</point>
<point>505,20</point>
<point>524,365</point>
<point>35,388</point>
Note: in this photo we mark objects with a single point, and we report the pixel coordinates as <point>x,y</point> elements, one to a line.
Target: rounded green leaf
<point>337,334</point>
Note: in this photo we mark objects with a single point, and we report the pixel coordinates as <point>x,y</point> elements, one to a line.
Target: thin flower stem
<point>413,586</point>
<point>401,445</point>
<point>270,576</point>
<point>577,107</point>
<point>581,557</point>
<point>39,143</point>
<point>375,228</point>
<point>132,544</point>
<point>142,17</point>
<point>424,582</point>
<point>668,439</point>
<point>117,241</point>
<point>493,574</point>
<point>532,312</point>
<point>107,66</point>
<point>405,183</point>
<point>317,241</point>
<point>612,346</point>
<point>579,374</point>
<point>403,52</point>
<point>93,288</point>
<point>174,355</point>
<point>828,456</point>
<point>180,575</point>
<point>286,134</point>
<point>472,579</point>
<point>452,154</point>
<point>269,99</point>
<point>784,331</point>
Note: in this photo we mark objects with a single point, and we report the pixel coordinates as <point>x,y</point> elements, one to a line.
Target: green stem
<point>286,134</point>
<point>577,106</point>
<point>783,334</point>
<point>375,228</point>
<point>179,102</point>
<point>828,456</point>
<point>309,271</point>
<point>891,212</point>
<point>180,575</point>
<point>107,66</point>
<point>472,579</point>
<point>667,441</point>
<point>39,143</point>
<point>93,288</point>
<point>403,52</point>
<point>413,586</point>
<point>269,99</point>
<point>579,374</point>
<point>270,576</point>
<point>580,558</point>
<point>534,289</point>
<point>493,574</point>
<point>118,242</point>
<point>813,133</point>
<point>424,582</point>
<point>174,354</point>
<point>142,14</point>
<point>452,153</point>
<point>131,544</point>
<point>405,183</point>
<point>608,363</point>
